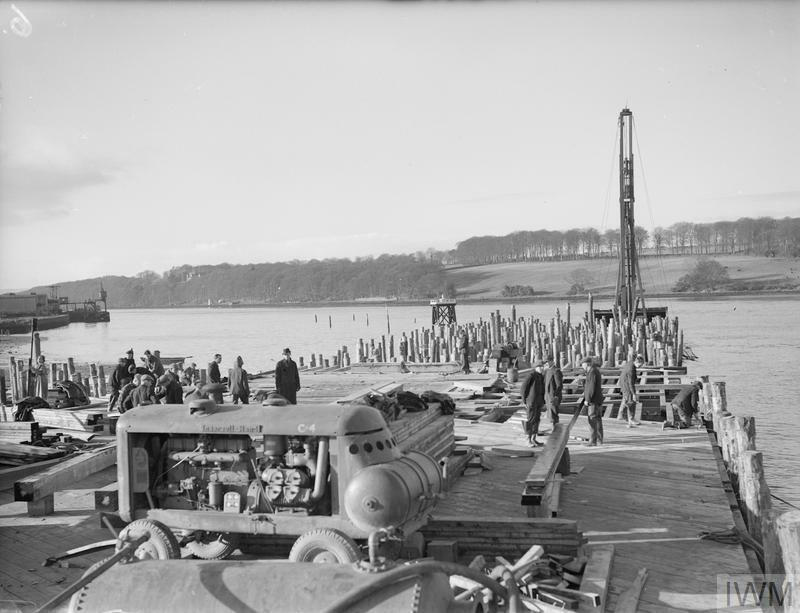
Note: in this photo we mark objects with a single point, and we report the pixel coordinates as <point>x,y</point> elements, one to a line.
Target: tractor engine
<point>290,467</point>
<point>221,473</point>
<point>205,473</point>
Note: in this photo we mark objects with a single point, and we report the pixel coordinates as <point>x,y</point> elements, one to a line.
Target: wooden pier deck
<point>648,492</point>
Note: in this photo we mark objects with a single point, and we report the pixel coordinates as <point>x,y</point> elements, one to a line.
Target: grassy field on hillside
<point>658,274</point>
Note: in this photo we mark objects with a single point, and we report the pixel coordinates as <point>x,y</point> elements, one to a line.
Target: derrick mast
<point>629,293</point>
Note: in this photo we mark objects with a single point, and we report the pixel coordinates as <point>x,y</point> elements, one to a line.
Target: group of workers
<point>135,385</point>
<point>543,389</point>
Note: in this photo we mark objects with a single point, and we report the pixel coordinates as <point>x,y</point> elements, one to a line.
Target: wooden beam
<point>628,601</point>
<point>9,476</point>
<point>545,463</point>
<point>64,474</point>
<point>597,574</point>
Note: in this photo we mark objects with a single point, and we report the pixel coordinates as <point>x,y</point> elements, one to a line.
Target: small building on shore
<point>18,305</point>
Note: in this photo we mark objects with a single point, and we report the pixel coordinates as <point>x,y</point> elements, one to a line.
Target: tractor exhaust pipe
<point>321,476</point>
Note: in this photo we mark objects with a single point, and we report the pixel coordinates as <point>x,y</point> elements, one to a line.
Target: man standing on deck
<point>553,389</point>
<point>215,377</point>
<point>627,385</point>
<point>287,379</point>
<point>533,397</point>
<point>686,403</point>
<point>238,384</point>
<point>593,399</point>
<point>130,363</point>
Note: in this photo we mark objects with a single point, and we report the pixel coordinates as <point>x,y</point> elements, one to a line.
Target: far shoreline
<point>776,294</point>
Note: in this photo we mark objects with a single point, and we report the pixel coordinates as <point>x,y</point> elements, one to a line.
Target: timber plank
<point>545,463</point>
<point>67,473</point>
<point>596,575</point>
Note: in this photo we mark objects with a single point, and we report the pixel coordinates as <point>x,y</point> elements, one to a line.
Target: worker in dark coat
<point>118,379</point>
<point>287,379</point>
<point>553,389</point>
<point>144,394</point>
<point>238,384</point>
<point>130,363</point>
<point>593,399</point>
<point>125,394</point>
<point>628,376</point>
<point>169,391</point>
<point>533,397</point>
<point>153,364</point>
<point>215,377</point>
<point>686,403</point>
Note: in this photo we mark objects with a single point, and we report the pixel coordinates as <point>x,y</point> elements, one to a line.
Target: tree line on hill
<point>387,276</point>
<point>760,236</point>
<point>423,275</point>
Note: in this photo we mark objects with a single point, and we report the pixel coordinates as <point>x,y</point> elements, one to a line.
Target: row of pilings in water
<point>659,340</point>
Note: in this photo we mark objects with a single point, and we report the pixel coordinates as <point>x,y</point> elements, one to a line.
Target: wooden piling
<point>788,527</point>
<point>12,375</point>
<point>22,384</point>
<point>719,403</point>
<point>101,375</point>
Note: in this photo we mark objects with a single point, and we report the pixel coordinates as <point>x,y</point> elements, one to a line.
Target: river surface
<point>753,344</point>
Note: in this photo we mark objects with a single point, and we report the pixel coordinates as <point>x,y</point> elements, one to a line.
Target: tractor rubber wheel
<point>76,601</point>
<point>325,546</point>
<point>161,543</point>
<point>212,546</point>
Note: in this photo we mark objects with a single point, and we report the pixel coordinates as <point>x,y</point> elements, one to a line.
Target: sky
<point>146,135</point>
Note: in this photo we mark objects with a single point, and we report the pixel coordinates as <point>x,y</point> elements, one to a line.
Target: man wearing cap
<point>686,403</point>
<point>144,394</point>
<point>287,379</point>
<point>215,377</point>
<point>553,389</point>
<point>533,397</point>
<point>593,399</point>
<point>627,385</point>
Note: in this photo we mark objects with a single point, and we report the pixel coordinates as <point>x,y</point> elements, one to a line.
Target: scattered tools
<point>547,582</point>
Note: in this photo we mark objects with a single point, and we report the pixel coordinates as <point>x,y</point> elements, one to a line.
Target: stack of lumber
<point>411,423</point>
<point>16,454</point>
<point>426,431</point>
<point>80,419</point>
<point>505,536</point>
<point>19,432</point>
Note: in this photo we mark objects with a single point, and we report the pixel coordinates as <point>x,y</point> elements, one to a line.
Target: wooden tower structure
<point>443,311</point>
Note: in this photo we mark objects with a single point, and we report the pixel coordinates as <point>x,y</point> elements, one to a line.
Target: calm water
<point>753,344</point>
